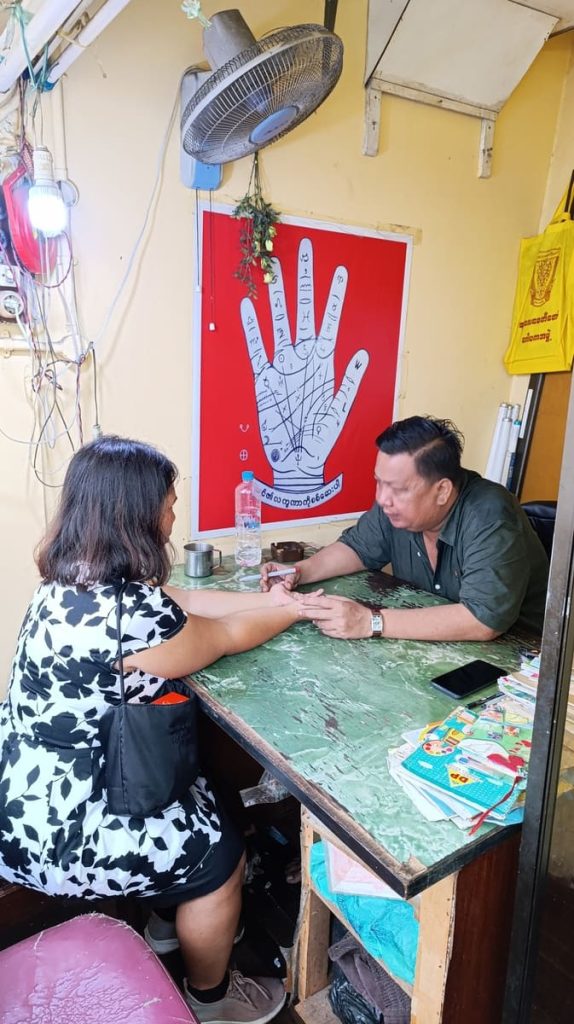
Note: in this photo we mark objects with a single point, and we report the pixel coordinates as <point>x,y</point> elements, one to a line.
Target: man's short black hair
<point>436,445</point>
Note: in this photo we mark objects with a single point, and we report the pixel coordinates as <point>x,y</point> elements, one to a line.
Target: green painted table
<point>321,714</point>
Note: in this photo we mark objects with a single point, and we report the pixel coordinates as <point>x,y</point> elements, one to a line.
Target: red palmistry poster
<point>296,384</point>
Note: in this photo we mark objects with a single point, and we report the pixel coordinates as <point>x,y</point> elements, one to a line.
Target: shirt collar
<point>450,528</point>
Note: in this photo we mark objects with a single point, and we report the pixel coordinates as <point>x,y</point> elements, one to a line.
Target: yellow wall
<point>117,100</point>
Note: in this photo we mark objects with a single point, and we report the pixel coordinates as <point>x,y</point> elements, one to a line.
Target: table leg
<point>436,930</point>
<point>313,938</point>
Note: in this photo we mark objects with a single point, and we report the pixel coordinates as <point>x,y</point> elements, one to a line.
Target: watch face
<point>376,625</point>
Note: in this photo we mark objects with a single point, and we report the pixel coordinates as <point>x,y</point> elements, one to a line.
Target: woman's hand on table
<point>339,617</point>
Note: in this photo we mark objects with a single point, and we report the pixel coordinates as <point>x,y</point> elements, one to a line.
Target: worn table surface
<point>322,714</point>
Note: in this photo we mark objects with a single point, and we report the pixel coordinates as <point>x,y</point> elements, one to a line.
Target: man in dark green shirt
<point>445,530</point>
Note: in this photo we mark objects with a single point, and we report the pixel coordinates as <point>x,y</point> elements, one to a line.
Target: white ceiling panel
<point>562,9</point>
<point>471,51</point>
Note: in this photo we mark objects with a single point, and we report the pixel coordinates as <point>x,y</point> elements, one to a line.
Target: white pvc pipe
<point>510,456</point>
<point>502,412</point>
<point>56,41</point>
<point>97,24</point>
<point>38,31</point>
<point>502,447</point>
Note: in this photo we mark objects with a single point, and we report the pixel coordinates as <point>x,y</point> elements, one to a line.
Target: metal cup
<point>199,559</point>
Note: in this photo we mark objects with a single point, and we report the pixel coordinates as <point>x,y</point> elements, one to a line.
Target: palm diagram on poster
<point>301,413</point>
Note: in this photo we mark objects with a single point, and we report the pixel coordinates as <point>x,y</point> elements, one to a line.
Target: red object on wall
<point>257,374</point>
<point>35,254</point>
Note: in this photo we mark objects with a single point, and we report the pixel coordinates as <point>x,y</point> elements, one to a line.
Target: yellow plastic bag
<point>542,335</point>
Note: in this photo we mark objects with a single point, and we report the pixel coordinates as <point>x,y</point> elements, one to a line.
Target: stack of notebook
<point>472,767</point>
<point>523,685</point>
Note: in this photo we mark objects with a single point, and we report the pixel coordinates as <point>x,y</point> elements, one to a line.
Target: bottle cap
<point>247,475</point>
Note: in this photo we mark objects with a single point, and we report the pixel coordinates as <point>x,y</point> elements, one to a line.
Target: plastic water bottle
<point>247,522</point>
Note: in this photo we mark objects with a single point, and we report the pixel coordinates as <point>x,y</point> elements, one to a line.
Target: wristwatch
<point>377,624</point>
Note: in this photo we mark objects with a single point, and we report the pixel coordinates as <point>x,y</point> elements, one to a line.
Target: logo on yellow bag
<point>543,276</point>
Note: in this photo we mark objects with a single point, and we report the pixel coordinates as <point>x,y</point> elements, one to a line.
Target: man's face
<point>410,501</point>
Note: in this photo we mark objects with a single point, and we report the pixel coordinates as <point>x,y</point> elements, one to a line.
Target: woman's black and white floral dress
<point>55,830</point>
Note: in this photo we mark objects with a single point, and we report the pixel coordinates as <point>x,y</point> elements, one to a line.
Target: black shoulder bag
<point>150,750</point>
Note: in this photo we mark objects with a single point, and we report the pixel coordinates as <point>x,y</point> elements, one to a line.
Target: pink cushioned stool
<point>92,969</point>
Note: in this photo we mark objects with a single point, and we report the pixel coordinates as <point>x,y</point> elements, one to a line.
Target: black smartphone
<point>461,682</point>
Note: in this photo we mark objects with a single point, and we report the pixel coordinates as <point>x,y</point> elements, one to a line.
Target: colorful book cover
<point>442,764</point>
<point>500,739</point>
<point>452,729</point>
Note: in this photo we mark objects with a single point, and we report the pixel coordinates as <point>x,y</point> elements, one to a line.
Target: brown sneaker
<point>247,1001</point>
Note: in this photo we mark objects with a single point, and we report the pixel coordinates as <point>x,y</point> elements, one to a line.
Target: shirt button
<point>437,586</point>
<point>419,554</point>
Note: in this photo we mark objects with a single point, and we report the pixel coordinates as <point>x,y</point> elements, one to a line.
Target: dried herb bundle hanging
<point>257,233</point>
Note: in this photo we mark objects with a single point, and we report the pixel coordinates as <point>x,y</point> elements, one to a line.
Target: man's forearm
<point>335,559</point>
<point>446,622</point>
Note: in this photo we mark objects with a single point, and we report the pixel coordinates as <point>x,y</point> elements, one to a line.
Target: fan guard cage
<point>276,83</point>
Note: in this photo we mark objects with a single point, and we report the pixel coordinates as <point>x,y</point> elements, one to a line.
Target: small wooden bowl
<point>287,551</point>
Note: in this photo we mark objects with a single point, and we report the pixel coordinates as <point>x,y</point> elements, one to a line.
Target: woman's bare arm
<point>203,641</point>
<point>214,604</point>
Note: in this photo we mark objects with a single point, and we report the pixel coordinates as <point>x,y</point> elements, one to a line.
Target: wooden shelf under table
<point>464,922</point>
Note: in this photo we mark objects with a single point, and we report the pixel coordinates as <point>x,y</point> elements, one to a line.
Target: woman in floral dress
<point>56,831</point>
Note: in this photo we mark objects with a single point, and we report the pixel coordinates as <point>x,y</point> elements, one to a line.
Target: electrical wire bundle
<point>42,276</point>
<point>38,273</point>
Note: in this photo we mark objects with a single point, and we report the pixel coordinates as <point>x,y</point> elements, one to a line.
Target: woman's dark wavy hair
<point>436,445</point>
<point>107,526</point>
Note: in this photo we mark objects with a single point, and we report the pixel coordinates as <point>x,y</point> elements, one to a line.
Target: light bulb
<point>47,210</point>
<point>46,207</point>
